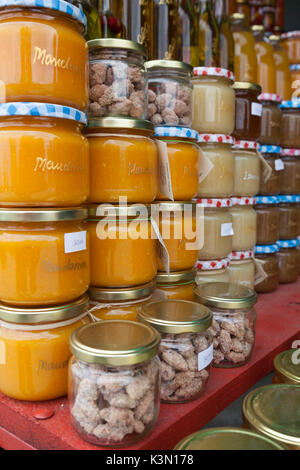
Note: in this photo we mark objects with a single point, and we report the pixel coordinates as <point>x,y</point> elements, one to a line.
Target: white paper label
<point>256,109</point>
<point>163,253</point>
<point>205,166</point>
<point>227,230</point>
<point>205,357</point>
<point>279,165</point>
<point>164,173</point>
<point>75,241</point>
<point>2,353</point>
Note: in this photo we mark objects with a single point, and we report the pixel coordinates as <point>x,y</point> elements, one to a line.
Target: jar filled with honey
<point>245,62</point>
<point>282,68</point>
<point>266,71</point>
<point>166,27</point>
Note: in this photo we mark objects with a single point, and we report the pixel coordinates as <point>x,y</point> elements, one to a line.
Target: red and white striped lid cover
<point>212,265</point>
<point>241,255</point>
<point>270,97</point>
<point>220,138</point>
<point>227,202</point>
<point>246,144</point>
<point>213,72</point>
<point>290,152</point>
<point>243,201</point>
<point>291,34</point>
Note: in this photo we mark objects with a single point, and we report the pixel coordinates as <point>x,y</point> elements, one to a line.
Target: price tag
<point>164,173</point>
<point>205,357</point>
<point>279,165</point>
<point>205,166</point>
<point>227,230</point>
<point>75,241</point>
<point>256,109</point>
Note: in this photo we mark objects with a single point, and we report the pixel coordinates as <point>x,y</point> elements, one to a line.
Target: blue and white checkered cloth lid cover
<point>295,67</point>
<point>270,149</point>
<point>292,198</point>
<point>288,243</point>
<point>174,131</point>
<point>58,5</point>
<point>42,109</point>
<point>266,200</point>
<point>292,104</point>
<point>265,249</point>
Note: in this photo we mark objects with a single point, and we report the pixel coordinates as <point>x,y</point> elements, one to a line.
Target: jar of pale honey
<point>43,156</point>
<point>44,256</point>
<point>212,271</point>
<point>176,285</point>
<point>35,349</point>
<point>247,168</point>
<point>242,268</point>
<point>45,57</point>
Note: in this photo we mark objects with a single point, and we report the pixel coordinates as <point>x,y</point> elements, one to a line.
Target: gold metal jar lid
<point>43,215</point>
<point>227,439</point>
<point>114,43</point>
<point>225,295</point>
<point>274,411</point>
<point>176,316</point>
<point>258,28</point>
<point>247,86</point>
<point>237,16</point>
<point>178,276</point>
<point>121,295</point>
<point>285,369</point>
<point>178,206</point>
<point>169,64</point>
<point>117,124</point>
<point>115,343</point>
<point>100,211</point>
<point>39,315</point>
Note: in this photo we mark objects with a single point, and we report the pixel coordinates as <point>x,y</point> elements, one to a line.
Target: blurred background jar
<point>266,255</point>
<point>245,62</point>
<point>209,36</point>
<point>269,15</point>
<point>279,15</point>
<point>288,260</point>
<point>243,6</point>
<point>291,43</point>
<point>226,60</point>
<point>166,27</point>
<point>266,73</point>
<point>256,11</point>
<point>189,31</point>
<point>295,80</point>
<point>282,68</point>
<point>137,18</point>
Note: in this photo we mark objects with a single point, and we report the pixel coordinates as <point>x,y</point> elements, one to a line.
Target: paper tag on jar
<point>227,230</point>
<point>267,169</point>
<point>205,357</point>
<point>74,242</point>
<point>205,166</point>
<point>162,251</point>
<point>260,273</point>
<point>2,352</point>
<point>164,173</point>
<point>279,165</point>
<point>256,109</point>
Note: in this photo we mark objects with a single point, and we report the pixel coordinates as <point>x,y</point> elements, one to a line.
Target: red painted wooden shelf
<point>22,425</point>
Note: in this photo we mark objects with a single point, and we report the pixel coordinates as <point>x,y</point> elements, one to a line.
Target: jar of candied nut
<point>114,382</point>
<point>118,85</point>
<point>233,326</point>
<point>186,349</point>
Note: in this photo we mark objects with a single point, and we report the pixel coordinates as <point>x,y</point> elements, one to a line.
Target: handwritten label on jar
<point>205,166</point>
<point>75,241</point>
<point>256,109</point>
<point>260,273</point>
<point>2,353</point>
<point>227,230</point>
<point>164,172</point>
<point>205,357</point>
<point>279,165</point>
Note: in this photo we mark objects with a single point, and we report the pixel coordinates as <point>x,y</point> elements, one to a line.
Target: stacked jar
<point>44,260</point>
<point>291,43</point>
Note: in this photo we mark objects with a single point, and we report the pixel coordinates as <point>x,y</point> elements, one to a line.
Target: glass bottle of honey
<point>137,18</point>
<point>282,67</point>
<point>242,6</point>
<point>189,32</point>
<point>166,28</point>
<point>209,37</point>
<point>245,62</point>
<point>226,38</point>
<point>266,72</point>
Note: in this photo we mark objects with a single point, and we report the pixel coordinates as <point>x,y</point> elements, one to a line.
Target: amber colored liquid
<point>245,62</point>
<point>266,72</point>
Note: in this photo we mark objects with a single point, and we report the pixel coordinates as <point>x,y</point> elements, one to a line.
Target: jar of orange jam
<point>266,71</point>
<point>178,147</point>
<point>176,285</point>
<point>123,160</point>
<point>123,248</point>
<point>43,156</point>
<point>44,256</point>
<point>45,58</point>
<point>291,43</point>
<point>34,352</point>
<point>119,304</point>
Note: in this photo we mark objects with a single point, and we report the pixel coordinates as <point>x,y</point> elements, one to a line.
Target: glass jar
<point>119,304</point>
<point>35,349</point>
<point>244,223</point>
<point>288,260</point>
<point>189,31</point>
<point>212,271</point>
<point>166,26</point>
<point>179,150</point>
<point>271,155</point>
<point>266,255</point>
<point>266,73</point>
<point>179,226</point>
<point>271,119</point>
<point>289,217</point>
<point>269,14</point>
<point>170,93</point>
<point>286,369</point>
<point>290,127</point>
<point>48,39</point>
<point>245,62</point>
<point>242,268</point>
<point>213,101</point>
<point>219,180</point>
<point>290,176</point>
<point>218,229</point>
<point>209,34</point>
<point>273,411</point>
<point>234,319</point>
<point>243,7</point>
<point>268,220</point>
<point>44,256</point>
<point>247,169</point>
<point>256,12</point>
<point>43,156</point>
<point>291,43</point>
<point>295,79</point>
<point>177,285</point>
<point>282,68</point>
<point>123,160</point>
<point>114,395</point>
<point>123,251</point>
<point>248,111</point>
<point>138,20</point>
<point>186,349</point>
<point>118,85</point>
